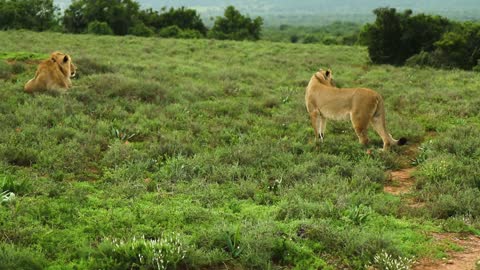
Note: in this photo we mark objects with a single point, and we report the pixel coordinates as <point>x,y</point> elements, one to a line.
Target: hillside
<point>207,146</point>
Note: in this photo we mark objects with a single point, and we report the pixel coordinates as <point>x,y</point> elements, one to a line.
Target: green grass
<point>210,141</point>
<point>22,56</point>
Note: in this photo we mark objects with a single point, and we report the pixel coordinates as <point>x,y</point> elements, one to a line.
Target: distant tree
<point>236,26</point>
<point>37,15</point>
<point>384,35</point>
<point>120,15</point>
<point>394,37</point>
<point>99,28</point>
<point>183,18</point>
<point>294,38</point>
<point>421,31</point>
<point>460,48</point>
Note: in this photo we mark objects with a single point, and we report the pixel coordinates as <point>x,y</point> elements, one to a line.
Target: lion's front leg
<point>321,127</point>
<point>315,124</point>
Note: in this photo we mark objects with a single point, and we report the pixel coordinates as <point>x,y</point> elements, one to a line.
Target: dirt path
<point>467,259</point>
<point>401,182</point>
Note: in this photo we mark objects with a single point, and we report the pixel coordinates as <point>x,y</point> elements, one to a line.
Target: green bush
<point>190,34</point>
<point>99,28</point>
<point>140,29</point>
<point>422,59</point>
<point>310,39</point>
<point>170,31</point>
<point>12,257</point>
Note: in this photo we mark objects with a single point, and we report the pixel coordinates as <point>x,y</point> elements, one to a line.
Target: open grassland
<point>206,145</point>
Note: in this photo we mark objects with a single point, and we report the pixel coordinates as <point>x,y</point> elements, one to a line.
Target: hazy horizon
<point>303,12</point>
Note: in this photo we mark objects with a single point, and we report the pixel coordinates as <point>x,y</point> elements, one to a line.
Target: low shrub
<point>99,28</point>
<point>166,252</point>
<point>140,29</point>
<point>13,257</point>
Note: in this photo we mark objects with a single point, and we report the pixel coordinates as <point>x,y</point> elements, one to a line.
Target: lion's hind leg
<point>360,125</point>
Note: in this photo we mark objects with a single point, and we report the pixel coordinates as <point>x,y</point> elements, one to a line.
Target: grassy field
<point>198,154</point>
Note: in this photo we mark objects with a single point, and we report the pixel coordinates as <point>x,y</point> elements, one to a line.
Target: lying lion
<point>53,74</point>
<point>361,105</point>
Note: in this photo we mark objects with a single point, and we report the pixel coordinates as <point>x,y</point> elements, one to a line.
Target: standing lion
<point>361,105</point>
<point>53,74</point>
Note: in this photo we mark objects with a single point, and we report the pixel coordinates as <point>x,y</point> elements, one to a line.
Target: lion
<point>361,105</point>
<point>53,74</point>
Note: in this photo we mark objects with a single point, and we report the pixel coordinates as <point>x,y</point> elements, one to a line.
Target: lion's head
<point>65,63</point>
<point>325,77</point>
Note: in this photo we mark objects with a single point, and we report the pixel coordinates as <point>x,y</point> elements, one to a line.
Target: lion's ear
<point>65,59</point>
<point>328,73</point>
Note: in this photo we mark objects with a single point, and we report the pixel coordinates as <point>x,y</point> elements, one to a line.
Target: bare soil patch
<point>401,181</point>
<point>467,259</point>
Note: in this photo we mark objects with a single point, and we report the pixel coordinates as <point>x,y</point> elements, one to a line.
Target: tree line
<point>394,37</point>
<point>400,38</point>
<point>125,17</point>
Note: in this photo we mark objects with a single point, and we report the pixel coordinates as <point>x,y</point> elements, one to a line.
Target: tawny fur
<point>361,105</point>
<point>53,74</point>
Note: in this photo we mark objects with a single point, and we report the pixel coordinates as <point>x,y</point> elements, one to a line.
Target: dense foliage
<point>459,48</point>
<point>119,15</point>
<point>394,37</point>
<point>397,38</point>
<point>99,28</point>
<point>235,26</point>
<point>198,154</point>
<point>183,18</point>
<point>38,15</point>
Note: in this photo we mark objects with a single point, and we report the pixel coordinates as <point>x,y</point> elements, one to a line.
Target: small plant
<point>7,197</point>
<point>19,186</point>
<point>162,253</point>
<point>233,243</point>
<point>357,214</point>
<point>385,261</point>
<point>423,154</point>
<point>122,134</point>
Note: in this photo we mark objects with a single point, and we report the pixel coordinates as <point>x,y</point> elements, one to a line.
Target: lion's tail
<point>401,141</point>
<point>381,126</point>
